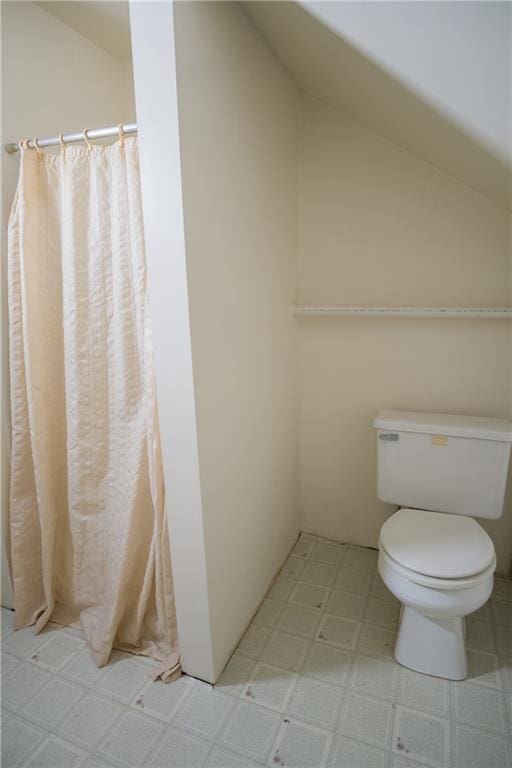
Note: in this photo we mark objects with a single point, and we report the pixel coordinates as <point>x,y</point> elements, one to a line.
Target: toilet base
<point>432,646</point>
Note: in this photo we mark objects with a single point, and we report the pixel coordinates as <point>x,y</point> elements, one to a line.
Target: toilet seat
<point>437,546</point>
<point>433,582</point>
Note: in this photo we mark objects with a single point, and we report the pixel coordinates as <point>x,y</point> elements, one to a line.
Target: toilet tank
<point>443,463</point>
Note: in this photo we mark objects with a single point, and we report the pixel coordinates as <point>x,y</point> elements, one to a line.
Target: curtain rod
<point>71,138</point>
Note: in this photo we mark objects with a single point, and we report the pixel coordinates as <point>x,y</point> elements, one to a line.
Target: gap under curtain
<point>89,539</point>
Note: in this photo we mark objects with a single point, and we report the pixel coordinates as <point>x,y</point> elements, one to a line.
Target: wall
<point>157,117</point>
<point>53,80</point>
<point>237,108</point>
<point>377,225</point>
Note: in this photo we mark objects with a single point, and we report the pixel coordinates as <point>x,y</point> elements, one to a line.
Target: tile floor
<point>313,683</point>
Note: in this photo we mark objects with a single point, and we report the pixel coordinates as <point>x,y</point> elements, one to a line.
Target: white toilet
<point>434,557</point>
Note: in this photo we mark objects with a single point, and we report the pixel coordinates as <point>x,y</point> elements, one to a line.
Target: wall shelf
<point>491,313</point>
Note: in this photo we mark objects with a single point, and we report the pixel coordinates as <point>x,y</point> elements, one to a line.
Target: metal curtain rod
<point>71,138</point>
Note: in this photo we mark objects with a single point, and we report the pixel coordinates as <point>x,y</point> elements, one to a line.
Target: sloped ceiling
<point>364,59</point>
<point>105,23</point>
<point>338,69</point>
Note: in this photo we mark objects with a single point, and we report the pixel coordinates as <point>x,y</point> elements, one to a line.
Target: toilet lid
<point>436,544</point>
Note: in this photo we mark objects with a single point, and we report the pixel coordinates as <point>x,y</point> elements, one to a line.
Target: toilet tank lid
<point>479,427</point>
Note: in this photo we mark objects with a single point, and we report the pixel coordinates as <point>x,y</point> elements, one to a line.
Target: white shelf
<point>492,313</point>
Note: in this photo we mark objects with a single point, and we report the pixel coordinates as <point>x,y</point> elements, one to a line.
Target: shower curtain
<point>89,540</point>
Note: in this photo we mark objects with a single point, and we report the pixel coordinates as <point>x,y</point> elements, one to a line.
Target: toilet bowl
<point>440,567</point>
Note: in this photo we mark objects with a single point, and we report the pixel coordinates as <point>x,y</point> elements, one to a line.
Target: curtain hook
<point>37,148</point>
<point>62,145</point>
<point>121,135</point>
<point>86,138</point>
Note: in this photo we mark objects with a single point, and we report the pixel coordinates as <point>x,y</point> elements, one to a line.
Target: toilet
<point>442,471</point>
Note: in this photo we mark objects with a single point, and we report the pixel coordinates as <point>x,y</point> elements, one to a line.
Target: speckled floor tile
<point>352,580</point>
<point>316,702</point>
<point>270,687</point>
<point>312,683</point>
<point>300,745</point>
<point>422,737</point>
<point>327,663</point>
<point>347,753</point>
<point>179,749</point>
<point>367,719</point>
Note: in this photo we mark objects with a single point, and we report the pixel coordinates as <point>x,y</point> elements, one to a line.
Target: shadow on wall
<point>331,69</point>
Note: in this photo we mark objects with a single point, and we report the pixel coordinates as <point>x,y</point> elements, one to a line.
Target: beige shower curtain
<point>89,540</point>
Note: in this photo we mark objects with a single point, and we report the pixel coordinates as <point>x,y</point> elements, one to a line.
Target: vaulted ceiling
<point>104,22</point>
<point>432,77</point>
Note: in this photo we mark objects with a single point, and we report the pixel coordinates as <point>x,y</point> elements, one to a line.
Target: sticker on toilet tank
<point>439,440</point>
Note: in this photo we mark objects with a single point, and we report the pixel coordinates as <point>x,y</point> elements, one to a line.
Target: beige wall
<point>377,225</point>
<point>237,108</point>
<point>162,200</point>
<point>53,80</point>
